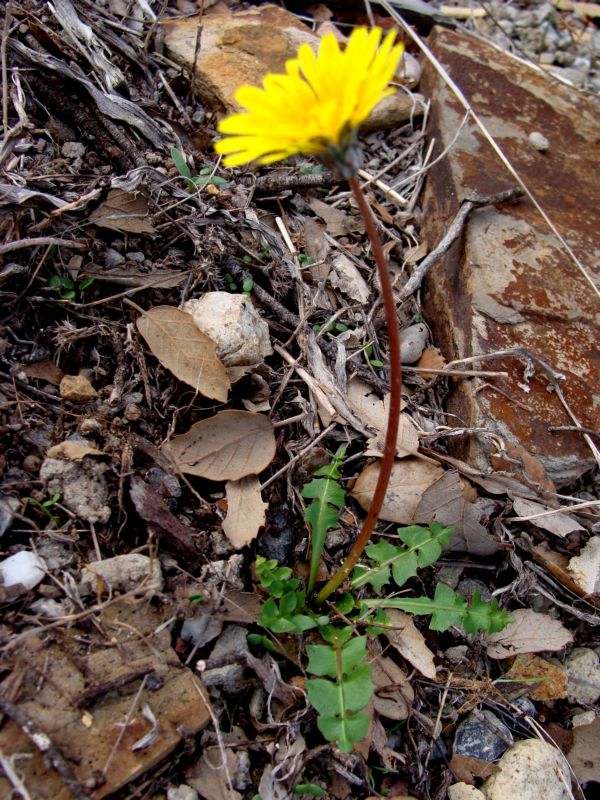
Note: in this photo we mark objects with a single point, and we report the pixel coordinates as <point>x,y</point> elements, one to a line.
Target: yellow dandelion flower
<point>316,106</point>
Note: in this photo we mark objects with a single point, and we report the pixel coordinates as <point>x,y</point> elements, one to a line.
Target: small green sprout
<point>67,288</point>
<point>204,177</point>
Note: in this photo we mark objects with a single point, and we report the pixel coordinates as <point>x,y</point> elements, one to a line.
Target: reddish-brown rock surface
<point>510,283</point>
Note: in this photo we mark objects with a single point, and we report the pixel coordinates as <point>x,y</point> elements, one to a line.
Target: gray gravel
<point>563,43</point>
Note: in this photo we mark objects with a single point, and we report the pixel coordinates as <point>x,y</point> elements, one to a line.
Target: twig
<point>454,231</point>
<point>130,714</point>
<point>8,765</point>
<point>298,456</point>
<point>5,32</point>
<point>45,745</point>
<point>41,241</point>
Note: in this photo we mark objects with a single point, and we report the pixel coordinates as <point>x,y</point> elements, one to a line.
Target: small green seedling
<point>67,288</point>
<point>304,260</point>
<point>45,506</point>
<point>309,788</point>
<point>204,177</point>
<point>374,362</point>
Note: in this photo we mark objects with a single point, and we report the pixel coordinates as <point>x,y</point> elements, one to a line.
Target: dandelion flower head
<point>316,106</point>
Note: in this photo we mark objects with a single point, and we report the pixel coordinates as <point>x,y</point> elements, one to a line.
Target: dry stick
<point>393,421</point>
<point>454,231</point>
<point>5,32</point>
<point>45,745</point>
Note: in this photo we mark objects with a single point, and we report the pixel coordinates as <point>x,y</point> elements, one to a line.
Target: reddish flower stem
<point>395,406</point>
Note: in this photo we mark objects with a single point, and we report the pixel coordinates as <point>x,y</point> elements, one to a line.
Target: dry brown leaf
<point>393,693</point>
<point>70,450</point>
<point>560,524</point>
<point>431,359</point>
<point>226,447</point>
<point>585,568</point>
<point>467,768</point>
<point>338,222</point>
<point>43,371</point>
<point>345,276</point>
<point>584,755</point>
<point>188,353</point>
<point>245,511</point>
<point>209,775</point>
<point>123,211</point>
<point>373,411</point>
<point>556,564</point>
<point>523,465</point>
<point>408,481</point>
<point>530,632</point>
<point>409,642</point>
<point>413,254</point>
<point>445,502</point>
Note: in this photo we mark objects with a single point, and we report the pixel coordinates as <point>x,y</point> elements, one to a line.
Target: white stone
<point>462,791</point>
<point>232,322</point>
<point>539,141</point>
<point>583,676</point>
<point>412,342</point>
<point>583,719</point>
<point>122,573</point>
<point>530,770</point>
<point>182,792</point>
<point>24,568</point>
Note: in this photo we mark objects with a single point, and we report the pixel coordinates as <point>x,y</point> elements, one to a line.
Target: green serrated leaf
<point>483,616</point>
<point>353,653</point>
<point>344,731</point>
<point>302,622</point>
<point>336,636</point>
<point>421,547</point>
<point>323,513</point>
<point>321,660</point>
<point>288,604</point>
<point>345,603</point>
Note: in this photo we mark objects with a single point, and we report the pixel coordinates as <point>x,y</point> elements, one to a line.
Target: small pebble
<point>24,568</point>
<point>482,735</point>
<point>132,412</point>
<point>583,676</point>
<point>182,792</point>
<point>539,141</point>
<point>73,150</point>
<point>77,389</point>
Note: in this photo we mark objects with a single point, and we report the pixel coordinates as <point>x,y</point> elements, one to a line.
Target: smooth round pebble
<point>530,770</point>
<point>539,141</point>
<point>24,568</point>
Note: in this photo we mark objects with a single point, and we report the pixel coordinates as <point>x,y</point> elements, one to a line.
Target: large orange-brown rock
<point>225,50</point>
<point>510,283</point>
